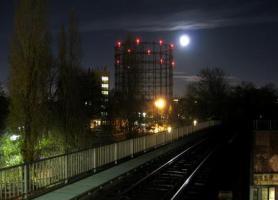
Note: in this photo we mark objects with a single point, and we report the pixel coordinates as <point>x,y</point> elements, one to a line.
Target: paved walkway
<point>85,185</point>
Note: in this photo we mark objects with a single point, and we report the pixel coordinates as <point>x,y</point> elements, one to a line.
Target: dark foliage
<point>212,97</point>
<point>4,104</point>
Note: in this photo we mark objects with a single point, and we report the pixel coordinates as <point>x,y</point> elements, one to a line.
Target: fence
<point>21,181</point>
<point>265,124</point>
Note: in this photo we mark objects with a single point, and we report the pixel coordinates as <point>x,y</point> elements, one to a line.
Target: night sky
<point>240,37</point>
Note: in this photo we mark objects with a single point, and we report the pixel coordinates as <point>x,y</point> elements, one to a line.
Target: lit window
<point>95,123</point>
<point>104,85</point>
<point>103,113</point>
<point>271,193</point>
<point>104,92</point>
<point>104,78</point>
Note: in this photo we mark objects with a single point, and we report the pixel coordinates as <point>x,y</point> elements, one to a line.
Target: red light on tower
<point>160,42</point>
<point>119,44</point>
<point>137,41</point>
<point>129,50</point>
<point>161,61</point>
<point>173,63</point>
<point>118,61</point>
<point>172,46</point>
<point>149,52</point>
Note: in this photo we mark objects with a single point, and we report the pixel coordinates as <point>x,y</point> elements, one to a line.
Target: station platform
<point>84,186</point>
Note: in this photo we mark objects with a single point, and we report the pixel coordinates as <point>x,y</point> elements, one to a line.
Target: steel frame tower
<point>148,64</point>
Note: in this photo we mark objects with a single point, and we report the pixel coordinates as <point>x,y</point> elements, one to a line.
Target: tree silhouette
<point>206,99</point>
<point>3,108</point>
<point>70,105</point>
<point>30,61</point>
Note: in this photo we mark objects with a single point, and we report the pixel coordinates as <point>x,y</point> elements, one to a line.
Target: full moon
<point>184,40</point>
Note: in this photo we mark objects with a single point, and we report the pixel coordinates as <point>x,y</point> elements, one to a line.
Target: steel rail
<point>169,162</point>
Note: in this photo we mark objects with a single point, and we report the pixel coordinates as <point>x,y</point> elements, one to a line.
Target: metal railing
<point>265,124</point>
<point>22,181</point>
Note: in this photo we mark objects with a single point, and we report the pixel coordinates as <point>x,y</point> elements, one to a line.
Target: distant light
<point>129,50</point>
<point>144,114</point>
<point>169,129</point>
<point>118,62</point>
<point>137,41</point>
<point>176,100</point>
<point>95,123</point>
<point>160,42</point>
<point>14,137</point>
<point>161,61</point>
<point>149,52</point>
<point>184,40</point>
<point>173,63</point>
<point>156,129</point>
<point>172,46</point>
<point>195,122</point>
<point>119,44</point>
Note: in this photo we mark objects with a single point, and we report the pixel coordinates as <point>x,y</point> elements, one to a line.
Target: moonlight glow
<point>184,40</point>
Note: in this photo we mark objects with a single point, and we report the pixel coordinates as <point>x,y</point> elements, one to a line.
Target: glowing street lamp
<point>160,103</point>
<point>195,122</point>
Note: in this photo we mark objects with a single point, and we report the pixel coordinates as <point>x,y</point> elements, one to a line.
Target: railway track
<point>183,176</point>
<point>168,181</point>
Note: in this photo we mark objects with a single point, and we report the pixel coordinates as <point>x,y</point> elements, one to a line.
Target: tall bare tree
<point>206,99</point>
<point>30,60</point>
<point>68,91</point>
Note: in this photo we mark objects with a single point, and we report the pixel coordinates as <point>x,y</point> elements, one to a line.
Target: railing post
<point>115,153</point>
<point>171,137</point>
<point>66,168</point>
<point>26,180</point>
<point>94,160</point>
<point>131,147</point>
<point>144,144</point>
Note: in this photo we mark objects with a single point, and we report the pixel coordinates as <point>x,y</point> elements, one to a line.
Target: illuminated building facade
<point>264,165</point>
<point>103,78</point>
<point>105,86</point>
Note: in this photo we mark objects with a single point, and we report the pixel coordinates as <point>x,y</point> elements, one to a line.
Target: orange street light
<point>160,103</point>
